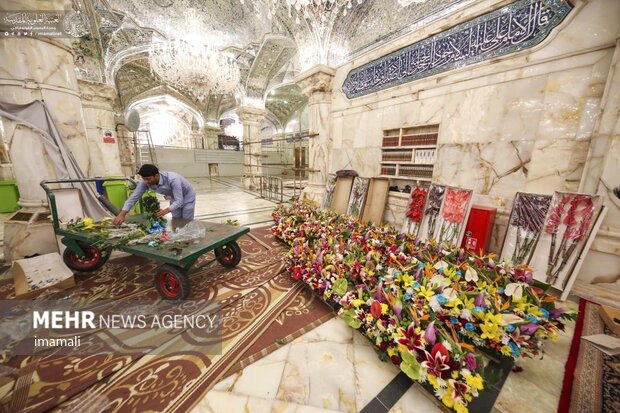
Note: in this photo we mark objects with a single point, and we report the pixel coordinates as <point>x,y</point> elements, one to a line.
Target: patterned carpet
<point>261,306</point>
<point>596,382</point>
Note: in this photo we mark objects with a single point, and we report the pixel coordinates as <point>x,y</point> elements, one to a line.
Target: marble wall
<point>97,105</point>
<point>524,122</point>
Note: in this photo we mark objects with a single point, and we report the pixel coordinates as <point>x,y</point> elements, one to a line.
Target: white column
<point>103,139</point>
<point>210,135</point>
<point>316,83</point>
<point>40,69</point>
<point>252,118</point>
<point>601,174</point>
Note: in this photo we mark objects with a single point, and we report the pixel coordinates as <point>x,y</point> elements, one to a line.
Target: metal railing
<point>271,187</point>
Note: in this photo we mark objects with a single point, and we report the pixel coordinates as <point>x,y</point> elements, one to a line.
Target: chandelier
<point>311,9</point>
<point>193,63</point>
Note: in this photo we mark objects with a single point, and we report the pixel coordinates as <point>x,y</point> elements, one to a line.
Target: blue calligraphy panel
<point>515,27</point>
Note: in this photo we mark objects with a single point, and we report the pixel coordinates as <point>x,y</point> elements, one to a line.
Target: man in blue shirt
<point>176,188</point>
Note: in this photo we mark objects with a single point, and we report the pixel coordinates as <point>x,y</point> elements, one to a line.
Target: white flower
<point>511,318</point>
<point>450,294</point>
<point>440,264</point>
<point>471,275</point>
<point>515,290</point>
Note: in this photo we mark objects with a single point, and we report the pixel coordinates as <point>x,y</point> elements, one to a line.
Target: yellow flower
<point>522,304</point>
<point>407,280</point>
<point>459,408</point>
<point>450,273</point>
<point>468,302</point>
<point>392,351</point>
<point>506,351</point>
<point>426,292</point>
<point>489,330</point>
<point>357,302</point>
<point>535,311</point>
<point>455,374</point>
<point>88,222</point>
<point>432,379</point>
<point>475,381</point>
<point>448,400</point>
<point>384,308</point>
<point>494,318</point>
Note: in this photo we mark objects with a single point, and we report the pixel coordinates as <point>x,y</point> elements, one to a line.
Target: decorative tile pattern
<point>518,26</point>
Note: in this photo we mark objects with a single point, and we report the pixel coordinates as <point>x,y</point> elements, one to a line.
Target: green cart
<point>172,278</point>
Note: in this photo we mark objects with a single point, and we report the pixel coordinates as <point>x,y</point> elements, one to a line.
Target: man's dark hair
<point>148,170</point>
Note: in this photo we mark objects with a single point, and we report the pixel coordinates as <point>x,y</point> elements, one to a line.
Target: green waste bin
<point>9,195</point>
<point>116,191</point>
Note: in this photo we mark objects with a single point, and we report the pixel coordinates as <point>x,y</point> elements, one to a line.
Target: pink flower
<point>430,335</point>
<point>470,362</point>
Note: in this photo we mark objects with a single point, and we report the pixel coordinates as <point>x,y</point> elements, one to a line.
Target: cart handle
<point>52,197</point>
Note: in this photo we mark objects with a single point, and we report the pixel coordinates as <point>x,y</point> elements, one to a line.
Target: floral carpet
<point>261,306</point>
<point>596,380</point>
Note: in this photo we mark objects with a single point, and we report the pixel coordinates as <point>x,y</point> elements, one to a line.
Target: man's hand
<point>162,212</point>
<point>120,218</point>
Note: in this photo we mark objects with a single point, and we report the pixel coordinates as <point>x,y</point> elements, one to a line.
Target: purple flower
<point>529,329</point>
<point>480,301</point>
<point>528,277</point>
<point>556,312</point>
<point>470,362</point>
<point>417,275</point>
<point>430,335</point>
<point>379,294</point>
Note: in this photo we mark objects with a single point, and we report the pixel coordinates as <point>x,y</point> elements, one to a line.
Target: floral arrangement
<point>527,218</point>
<point>428,307</point>
<point>575,212</point>
<point>415,210</point>
<point>433,206</point>
<point>110,236</point>
<point>453,215</point>
<point>150,204</point>
<point>358,196</point>
<point>105,233</point>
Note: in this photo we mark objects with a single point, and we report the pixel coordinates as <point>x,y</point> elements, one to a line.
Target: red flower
<point>455,204</point>
<point>578,217</point>
<point>416,205</point>
<point>375,309</point>
<point>437,360</point>
<point>395,360</point>
<point>556,211</point>
<point>411,339</point>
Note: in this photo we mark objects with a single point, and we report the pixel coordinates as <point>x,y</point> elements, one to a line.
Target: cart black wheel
<point>228,255</point>
<point>172,283</point>
<point>92,260</point>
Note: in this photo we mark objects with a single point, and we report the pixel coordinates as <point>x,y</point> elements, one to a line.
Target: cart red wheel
<point>172,283</point>
<point>228,255</point>
<point>93,258</point>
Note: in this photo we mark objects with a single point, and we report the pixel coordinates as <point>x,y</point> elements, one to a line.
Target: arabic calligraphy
<point>518,26</point>
<point>42,23</point>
